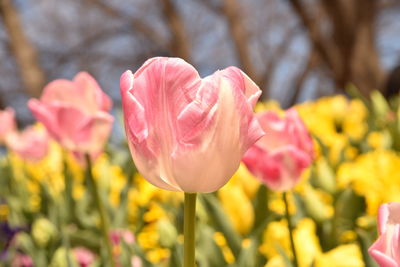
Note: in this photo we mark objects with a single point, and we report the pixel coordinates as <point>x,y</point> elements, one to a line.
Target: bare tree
<point>25,54</point>
<point>179,43</point>
<point>343,34</point>
<point>239,34</point>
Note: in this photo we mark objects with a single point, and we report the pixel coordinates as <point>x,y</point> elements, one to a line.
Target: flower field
<point>48,216</point>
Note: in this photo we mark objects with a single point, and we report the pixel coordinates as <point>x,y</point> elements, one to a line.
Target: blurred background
<point>294,49</point>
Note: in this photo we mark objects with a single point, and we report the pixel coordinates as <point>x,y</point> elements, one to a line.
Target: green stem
<point>290,226</point>
<point>189,229</point>
<point>101,209</point>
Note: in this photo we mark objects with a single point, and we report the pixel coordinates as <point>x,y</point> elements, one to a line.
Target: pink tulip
<point>279,157</point>
<point>32,144</point>
<point>386,250</point>
<point>7,123</point>
<point>186,133</point>
<point>75,113</point>
<point>83,256</point>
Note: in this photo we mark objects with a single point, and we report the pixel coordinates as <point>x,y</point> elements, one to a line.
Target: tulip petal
<point>42,114</point>
<point>274,128</point>
<point>58,91</point>
<point>240,81</point>
<point>91,92</point>
<point>83,133</point>
<point>83,93</point>
<point>246,94</point>
<point>7,123</point>
<point>196,117</point>
<point>220,152</point>
<point>31,144</point>
<point>298,132</point>
<point>95,132</point>
<point>383,217</point>
<point>378,252</point>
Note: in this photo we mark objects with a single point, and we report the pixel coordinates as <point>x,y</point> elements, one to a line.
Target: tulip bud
<point>60,259</point>
<point>43,231</point>
<point>314,205</point>
<point>326,177</point>
<point>167,232</point>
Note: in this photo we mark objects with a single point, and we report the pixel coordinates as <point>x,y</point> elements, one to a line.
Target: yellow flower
<point>277,236</point>
<point>373,175</point>
<point>154,213</point>
<point>4,210</point>
<point>379,140</point>
<point>237,204</point>
<point>277,205</point>
<point>246,180</point>
<point>342,256</point>
<point>157,255</point>
<point>335,121</point>
<point>220,240</point>
<point>148,237</point>
<point>268,105</point>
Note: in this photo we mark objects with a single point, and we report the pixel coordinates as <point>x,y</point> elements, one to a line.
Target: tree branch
<point>301,78</point>
<point>136,24</point>
<point>231,10</point>
<point>25,54</point>
<point>179,44</point>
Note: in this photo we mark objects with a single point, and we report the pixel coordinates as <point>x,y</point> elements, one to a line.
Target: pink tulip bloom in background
<point>32,144</point>
<point>186,133</point>
<point>84,257</point>
<point>386,250</point>
<point>7,123</point>
<point>279,157</point>
<point>22,260</point>
<point>75,113</point>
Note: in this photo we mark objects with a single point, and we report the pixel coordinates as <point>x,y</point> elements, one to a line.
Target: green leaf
<point>260,205</point>
<point>222,224</point>
<point>208,253</point>
<point>248,255</point>
<point>365,241</point>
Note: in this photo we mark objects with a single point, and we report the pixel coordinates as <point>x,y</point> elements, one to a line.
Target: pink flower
<point>32,144</point>
<point>7,123</point>
<point>126,235</point>
<point>75,113</point>
<point>386,250</point>
<point>83,256</point>
<point>136,262</point>
<point>21,260</point>
<point>186,133</point>
<point>279,157</point>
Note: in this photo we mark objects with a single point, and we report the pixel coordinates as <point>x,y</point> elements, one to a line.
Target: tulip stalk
<point>189,229</point>
<point>291,229</point>
<point>102,212</point>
